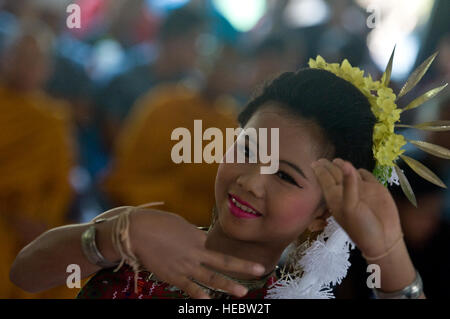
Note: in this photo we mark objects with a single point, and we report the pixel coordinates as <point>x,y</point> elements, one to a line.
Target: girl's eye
<point>286,178</point>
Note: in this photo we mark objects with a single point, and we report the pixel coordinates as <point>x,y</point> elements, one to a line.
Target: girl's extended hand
<point>360,204</point>
<point>173,249</point>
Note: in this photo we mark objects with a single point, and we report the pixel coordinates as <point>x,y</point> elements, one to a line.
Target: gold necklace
<point>251,284</point>
<point>215,293</point>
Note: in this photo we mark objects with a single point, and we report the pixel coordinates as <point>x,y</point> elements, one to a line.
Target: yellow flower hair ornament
<point>387,145</point>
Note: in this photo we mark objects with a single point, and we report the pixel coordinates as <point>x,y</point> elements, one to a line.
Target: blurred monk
<point>36,157</point>
<point>144,171</point>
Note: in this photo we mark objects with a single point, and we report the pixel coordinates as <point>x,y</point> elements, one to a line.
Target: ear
<point>320,221</point>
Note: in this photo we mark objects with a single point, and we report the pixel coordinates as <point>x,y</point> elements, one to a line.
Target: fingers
<point>214,280</point>
<point>350,193</point>
<point>326,173</point>
<point>345,167</point>
<point>335,169</point>
<point>367,176</point>
<point>194,290</point>
<point>329,177</point>
<point>339,181</point>
<point>224,262</point>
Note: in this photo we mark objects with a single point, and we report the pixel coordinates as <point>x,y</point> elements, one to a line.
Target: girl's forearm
<point>396,269</point>
<point>42,264</point>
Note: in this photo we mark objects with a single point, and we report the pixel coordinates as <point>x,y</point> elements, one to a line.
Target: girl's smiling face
<point>289,201</point>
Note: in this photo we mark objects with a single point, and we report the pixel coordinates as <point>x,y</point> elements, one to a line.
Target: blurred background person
<point>143,170</point>
<point>443,60</point>
<point>443,139</point>
<point>274,55</point>
<point>176,60</point>
<point>36,150</point>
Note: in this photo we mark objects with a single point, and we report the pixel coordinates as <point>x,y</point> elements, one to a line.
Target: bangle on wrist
<point>90,250</point>
<point>412,291</point>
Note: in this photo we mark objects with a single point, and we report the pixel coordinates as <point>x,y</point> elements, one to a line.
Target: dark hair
<point>180,22</point>
<point>338,107</point>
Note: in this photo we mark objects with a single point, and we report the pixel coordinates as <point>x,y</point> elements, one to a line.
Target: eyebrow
<point>295,167</point>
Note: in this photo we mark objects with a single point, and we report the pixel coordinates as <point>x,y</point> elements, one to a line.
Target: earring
<point>296,252</point>
<point>298,246</point>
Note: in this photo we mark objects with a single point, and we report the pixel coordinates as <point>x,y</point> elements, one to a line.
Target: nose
<point>253,182</point>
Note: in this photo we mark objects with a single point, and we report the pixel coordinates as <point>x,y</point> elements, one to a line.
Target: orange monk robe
<point>36,155</point>
<point>144,171</point>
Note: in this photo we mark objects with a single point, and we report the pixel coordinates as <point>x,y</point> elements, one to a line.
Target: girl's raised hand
<point>174,250</point>
<point>360,204</point>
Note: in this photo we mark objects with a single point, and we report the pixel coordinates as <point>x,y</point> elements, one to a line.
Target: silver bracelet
<point>412,291</point>
<point>90,249</point>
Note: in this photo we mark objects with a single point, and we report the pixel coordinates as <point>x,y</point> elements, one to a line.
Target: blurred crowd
<point>86,114</point>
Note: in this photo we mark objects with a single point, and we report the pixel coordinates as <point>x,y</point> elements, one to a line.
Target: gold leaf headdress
<point>387,145</point>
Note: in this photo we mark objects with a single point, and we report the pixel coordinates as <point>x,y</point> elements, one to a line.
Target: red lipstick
<point>241,209</point>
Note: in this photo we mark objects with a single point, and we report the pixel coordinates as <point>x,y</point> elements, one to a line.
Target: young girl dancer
<point>337,148</point>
